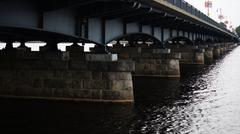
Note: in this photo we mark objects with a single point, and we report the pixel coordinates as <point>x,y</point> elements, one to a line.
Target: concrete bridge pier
<point>108,78</point>
<point>216,51</point>
<point>230,46</point>
<point>222,49</point>
<point>191,55</point>
<point>208,54</point>
<point>225,48</point>
<point>72,75</point>
<point>150,61</point>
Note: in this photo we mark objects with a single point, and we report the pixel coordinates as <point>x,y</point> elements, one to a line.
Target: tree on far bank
<point>238,31</point>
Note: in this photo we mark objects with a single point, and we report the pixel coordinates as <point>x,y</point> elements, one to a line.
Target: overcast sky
<point>230,8</point>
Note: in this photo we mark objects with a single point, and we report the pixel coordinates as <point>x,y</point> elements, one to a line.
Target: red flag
<point>208,4</point>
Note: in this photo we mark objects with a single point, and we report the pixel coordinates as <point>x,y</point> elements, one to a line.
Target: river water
<point>205,101</point>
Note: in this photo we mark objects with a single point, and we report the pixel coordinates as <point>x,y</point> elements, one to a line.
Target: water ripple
<point>210,103</point>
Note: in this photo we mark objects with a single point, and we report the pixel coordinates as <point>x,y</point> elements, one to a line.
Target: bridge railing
<point>194,11</point>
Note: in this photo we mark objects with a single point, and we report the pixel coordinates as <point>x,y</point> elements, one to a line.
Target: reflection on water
<point>155,90</point>
<point>203,102</point>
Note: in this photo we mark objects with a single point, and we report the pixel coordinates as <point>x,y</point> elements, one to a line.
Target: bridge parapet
<point>192,11</point>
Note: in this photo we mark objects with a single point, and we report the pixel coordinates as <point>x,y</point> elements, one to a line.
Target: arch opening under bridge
<point>178,41</point>
<point>136,39</point>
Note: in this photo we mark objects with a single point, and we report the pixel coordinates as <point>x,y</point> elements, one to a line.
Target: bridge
<point>133,38</point>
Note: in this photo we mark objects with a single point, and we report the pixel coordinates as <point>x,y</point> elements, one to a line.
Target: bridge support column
<point>151,62</point>
<point>230,46</point>
<point>216,51</point>
<point>222,49</point>
<point>190,55</point>
<point>208,54</point>
<point>66,76</point>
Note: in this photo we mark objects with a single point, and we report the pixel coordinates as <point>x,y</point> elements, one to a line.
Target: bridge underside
<point>99,22</point>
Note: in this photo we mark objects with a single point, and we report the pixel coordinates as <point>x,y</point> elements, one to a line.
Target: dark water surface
<point>204,101</point>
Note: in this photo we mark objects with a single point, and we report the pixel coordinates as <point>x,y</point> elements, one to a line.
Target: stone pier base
<point>216,52</point>
<point>66,75</point>
<point>151,62</point>
<point>191,56</point>
<point>230,46</point>
<point>222,50</point>
<point>208,55</point>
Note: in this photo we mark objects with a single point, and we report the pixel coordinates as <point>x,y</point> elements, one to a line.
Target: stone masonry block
<point>7,55</point>
<point>95,84</point>
<point>126,50</point>
<point>65,74</point>
<point>58,65</point>
<point>208,56</point>
<point>122,66</point>
<point>56,83</point>
<point>146,55</point>
<point>98,66</point>
<point>97,75</point>
<point>117,95</point>
<point>147,61</point>
<point>64,56</point>
<point>158,61</point>
<point>101,57</point>
<point>37,83</point>
<point>46,92</point>
<point>96,94</point>
<point>82,94</point>
<point>25,64</point>
<point>44,74</point>
<point>117,76</point>
<point>75,48</point>
<point>69,93</point>
<point>199,58</point>
<point>7,74</point>
<point>38,64</point>
<point>7,64</point>
<point>124,56</point>
<point>81,75</point>
<point>120,85</point>
<point>78,65</point>
<point>176,55</point>
<point>199,50</point>
<point>161,51</point>
<point>173,65</point>
<point>77,84</point>
<point>22,74</point>
<point>24,83</point>
<point>58,92</point>
<point>161,67</point>
<point>77,56</point>
<point>142,67</point>
<point>28,55</point>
